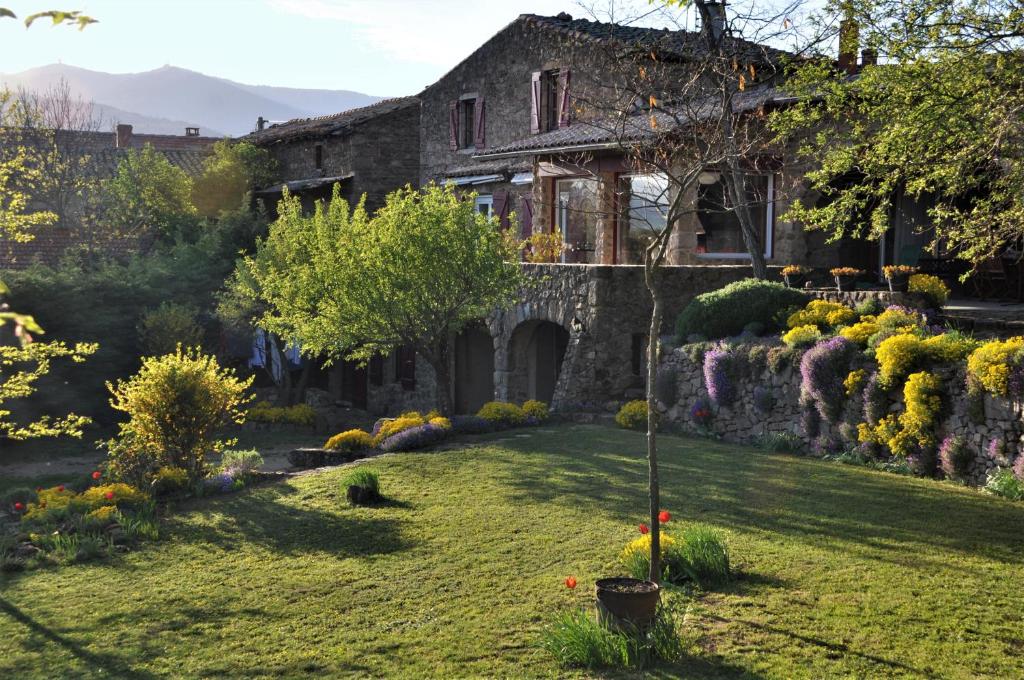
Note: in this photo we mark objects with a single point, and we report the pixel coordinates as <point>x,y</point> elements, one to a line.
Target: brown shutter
<point>535,83</point>
<point>453,126</point>
<point>564,109</point>
<point>500,207</point>
<point>526,217</point>
<point>479,124</point>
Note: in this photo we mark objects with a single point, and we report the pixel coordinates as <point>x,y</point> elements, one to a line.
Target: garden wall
<point>767,402</point>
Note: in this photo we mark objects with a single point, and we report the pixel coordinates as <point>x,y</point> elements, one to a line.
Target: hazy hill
<point>167,99</point>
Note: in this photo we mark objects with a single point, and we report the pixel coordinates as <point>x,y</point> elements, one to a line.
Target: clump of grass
<point>367,483</point>
<point>578,640</point>
<point>780,442</point>
<point>704,555</point>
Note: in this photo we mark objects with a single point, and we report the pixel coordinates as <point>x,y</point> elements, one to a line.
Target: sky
<point>378,47</point>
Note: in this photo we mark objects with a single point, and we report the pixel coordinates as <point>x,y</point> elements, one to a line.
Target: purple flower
<point>822,371</point>
<point>955,457</point>
<point>700,413</point>
<point>414,438</point>
<point>717,379</point>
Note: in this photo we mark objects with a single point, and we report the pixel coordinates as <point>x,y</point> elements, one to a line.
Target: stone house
<point>372,150</point>
<point>97,155</point>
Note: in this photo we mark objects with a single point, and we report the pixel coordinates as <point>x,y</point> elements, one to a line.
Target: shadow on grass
<point>106,664</point>
<point>273,518</point>
<point>860,511</point>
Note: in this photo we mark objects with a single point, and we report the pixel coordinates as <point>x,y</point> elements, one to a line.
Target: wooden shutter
<point>453,126</point>
<point>535,86</point>
<point>526,217</point>
<point>500,207</point>
<point>479,124</point>
<point>564,108</point>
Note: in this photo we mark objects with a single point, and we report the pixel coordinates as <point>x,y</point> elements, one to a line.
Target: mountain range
<point>168,99</point>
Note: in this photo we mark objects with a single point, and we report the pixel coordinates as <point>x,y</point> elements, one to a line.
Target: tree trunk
<point>751,239</point>
<point>652,278</point>
<point>438,360</point>
<point>284,383</point>
<point>300,388</point>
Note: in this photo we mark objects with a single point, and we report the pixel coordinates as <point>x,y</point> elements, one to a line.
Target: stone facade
<point>745,422</point>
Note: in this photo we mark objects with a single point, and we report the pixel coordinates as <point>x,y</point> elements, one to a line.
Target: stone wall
<point>745,422</point>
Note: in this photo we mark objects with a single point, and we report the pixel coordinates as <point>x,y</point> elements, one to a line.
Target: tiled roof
<point>589,135</point>
<point>677,42</point>
<point>509,167</point>
<point>323,126</point>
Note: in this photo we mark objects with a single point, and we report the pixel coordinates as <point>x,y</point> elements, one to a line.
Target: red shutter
<point>535,83</point>
<point>500,207</point>
<point>479,124</point>
<point>526,217</point>
<point>564,109</point>
<point>453,126</point>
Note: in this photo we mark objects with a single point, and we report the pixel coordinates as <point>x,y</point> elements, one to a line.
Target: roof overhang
<point>542,151</point>
<point>473,179</point>
<point>299,185</point>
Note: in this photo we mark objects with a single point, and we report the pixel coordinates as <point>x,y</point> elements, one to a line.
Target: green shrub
<point>18,494</point>
<point>361,486</point>
<point>349,441</point>
<point>633,415</point>
<point>726,311</point>
<point>169,325</point>
<point>169,481</point>
<point>536,409</point>
<point>578,640</point>
<point>176,405</point>
<point>241,462</point>
<point>502,414</point>
<point>1002,482</point>
<point>704,555</point>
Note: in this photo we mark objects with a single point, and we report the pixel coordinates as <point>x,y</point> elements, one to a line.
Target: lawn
<point>843,571</point>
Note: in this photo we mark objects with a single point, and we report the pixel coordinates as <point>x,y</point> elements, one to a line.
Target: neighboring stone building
<point>372,150</point>
<point>97,155</point>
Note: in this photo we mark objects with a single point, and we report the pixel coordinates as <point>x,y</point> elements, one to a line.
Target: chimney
<point>868,57</point>
<point>849,39</point>
<point>124,136</point>
<point>261,123</point>
<point>713,19</point>
<point>191,132</point>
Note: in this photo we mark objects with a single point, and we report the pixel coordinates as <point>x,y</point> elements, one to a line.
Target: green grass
<point>840,571</point>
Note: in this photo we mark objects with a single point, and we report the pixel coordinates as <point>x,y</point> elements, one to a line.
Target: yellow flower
<point>853,381</point>
<point>643,545</point>
<point>989,365</point>
<point>859,332</point>
<point>802,335</point>
<point>822,313</point>
<point>350,440</point>
<point>931,287</point>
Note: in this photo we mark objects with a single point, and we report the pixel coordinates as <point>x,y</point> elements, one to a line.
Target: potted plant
<point>795,275</point>
<point>846,278</point>
<point>898,276</point>
<point>627,600</point>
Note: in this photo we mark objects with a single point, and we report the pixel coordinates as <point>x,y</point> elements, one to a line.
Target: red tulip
<point>97,474</point>
<point>663,516</point>
<point>109,495</point>
<point>570,582</point>
<point>38,489</point>
<point>643,529</point>
<point>60,488</point>
<point>19,506</point>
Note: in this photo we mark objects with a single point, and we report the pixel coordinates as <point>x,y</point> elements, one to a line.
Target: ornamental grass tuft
<point>578,640</point>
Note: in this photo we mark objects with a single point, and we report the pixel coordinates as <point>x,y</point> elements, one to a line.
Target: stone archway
<point>474,369</point>
<point>536,352</point>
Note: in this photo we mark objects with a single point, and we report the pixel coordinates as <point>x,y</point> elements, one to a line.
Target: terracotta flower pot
<point>628,600</point>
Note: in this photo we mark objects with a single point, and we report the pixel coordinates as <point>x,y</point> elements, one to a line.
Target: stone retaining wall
<point>744,422</point>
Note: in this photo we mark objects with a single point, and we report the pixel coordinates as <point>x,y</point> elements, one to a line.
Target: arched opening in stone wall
<point>536,351</point>
<point>474,369</point>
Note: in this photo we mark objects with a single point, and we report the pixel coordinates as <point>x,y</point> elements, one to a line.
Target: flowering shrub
<point>169,480</point>
<point>470,425</point>
<point>633,415</point>
<point>795,270</point>
<point>502,414</point>
<point>854,380</point>
<point>299,414</point>
<point>845,271</point>
<point>119,494</point>
<point>931,287</point>
<point>779,359</point>
<point>802,336</point>
<point>415,437</point>
<point>822,372</point>
<point>390,427</point>
<point>699,554</point>
<point>104,514</point>
<point>719,377</point>
<point>913,431</point>
<point>536,409</point>
<point>823,314</point>
<point>990,365</point>
<point>349,441</point>
<point>701,413</point>
<point>861,331</point>
<point>891,270</point>
<point>897,355</point>
<point>1018,466</point>
<point>955,457</point>
<point>1002,482</point>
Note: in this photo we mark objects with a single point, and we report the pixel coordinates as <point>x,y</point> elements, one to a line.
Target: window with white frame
<point>719,233</point>
<point>576,217</point>
<point>485,205</point>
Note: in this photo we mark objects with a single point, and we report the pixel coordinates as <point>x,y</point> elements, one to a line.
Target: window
<point>466,125</point>
<point>719,233</point>
<point>485,205</point>
<point>550,100</point>
<point>318,156</point>
<point>576,217</point>
<point>643,203</point>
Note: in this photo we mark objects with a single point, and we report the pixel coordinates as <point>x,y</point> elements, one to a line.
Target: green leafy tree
<point>341,284</point>
<point>938,120</point>
<point>57,17</point>
<point>232,170</point>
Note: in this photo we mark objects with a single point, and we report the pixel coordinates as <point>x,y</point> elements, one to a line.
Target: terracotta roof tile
<point>333,124</point>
